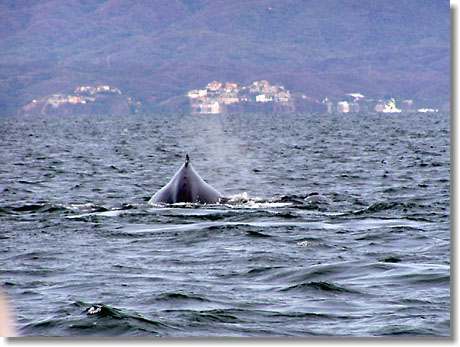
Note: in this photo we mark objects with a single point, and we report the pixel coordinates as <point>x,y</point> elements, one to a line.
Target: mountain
<point>157,50</point>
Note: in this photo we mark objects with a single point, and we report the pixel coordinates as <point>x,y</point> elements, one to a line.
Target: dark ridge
<point>47,208</point>
<point>180,296</point>
<point>322,271</point>
<point>377,207</point>
<point>391,259</point>
<point>309,201</point>
<point>303,315</point>
<point>53,208</point>
<point>387,205</point>
<point>256,213</point>
<point>218,316</point>
<point>211,217</point>
<point>313,315</point>
<point>29,182</point>
<point>260,270</point>
<point>253,233</point>
<point>28,208</point>
<point>403,330</point>
<point>286,215</point>
<point>36,255</point>
<point>371,236</point>
<point>323,286</point>
<point>429,279</point>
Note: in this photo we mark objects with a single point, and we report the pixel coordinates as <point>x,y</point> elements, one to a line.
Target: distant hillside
<point>157,50</point>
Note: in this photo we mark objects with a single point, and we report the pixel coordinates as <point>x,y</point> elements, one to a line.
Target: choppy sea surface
<point>335,225</point>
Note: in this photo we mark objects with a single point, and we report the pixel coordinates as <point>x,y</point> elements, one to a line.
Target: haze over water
<point>336,225</point>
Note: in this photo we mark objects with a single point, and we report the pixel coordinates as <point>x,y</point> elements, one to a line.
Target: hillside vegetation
<point>157,50</point>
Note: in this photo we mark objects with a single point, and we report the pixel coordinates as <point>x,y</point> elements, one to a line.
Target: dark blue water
<point>336,225</point>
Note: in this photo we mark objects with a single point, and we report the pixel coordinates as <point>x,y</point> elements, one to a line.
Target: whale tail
<point>186,186</point>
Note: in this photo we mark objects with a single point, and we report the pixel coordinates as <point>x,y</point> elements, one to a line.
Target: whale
<point>186,186</point>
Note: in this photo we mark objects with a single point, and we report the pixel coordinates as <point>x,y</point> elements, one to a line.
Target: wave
<point>238,202</point>
<point>31,208</point>
<point>214,316</point>
<point>322,286</point>
<point>109,317</point>
<point>93,320</point>
<point>179,296</point>
<point>50,207</point>
<point>387,206</point>
<point>405,330</point>
<point>243,200</point>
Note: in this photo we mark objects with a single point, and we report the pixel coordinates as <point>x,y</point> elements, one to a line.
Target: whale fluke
<point>186,186</point>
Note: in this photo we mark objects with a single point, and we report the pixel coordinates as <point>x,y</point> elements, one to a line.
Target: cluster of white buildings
<point>218,97</point>
<point>84,99</point>
<point>357,102</point>
<point>99,89</point>
<point>81,95</point>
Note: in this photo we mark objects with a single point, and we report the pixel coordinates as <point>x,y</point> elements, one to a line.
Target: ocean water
<point>334,226</point>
